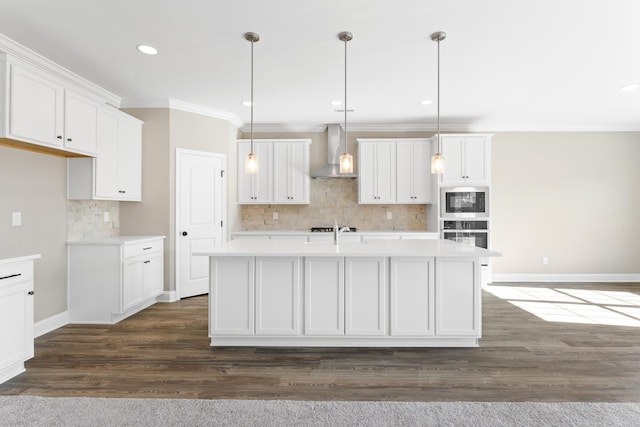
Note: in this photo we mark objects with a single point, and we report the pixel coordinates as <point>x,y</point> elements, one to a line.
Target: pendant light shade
<point>346,160</point>
<point>437,160</point>
<point>251,164</point>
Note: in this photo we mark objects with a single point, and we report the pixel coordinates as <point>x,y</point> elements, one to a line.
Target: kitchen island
<point>384,293</point>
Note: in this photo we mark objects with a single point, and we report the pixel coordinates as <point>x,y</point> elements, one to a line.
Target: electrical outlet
<point>545,260</point>
<point>16,219</point>
<point>275,215</point>
<point>106,216</point>
<point>389,215</point>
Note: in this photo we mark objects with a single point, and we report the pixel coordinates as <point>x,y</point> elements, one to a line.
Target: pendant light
<point>346,160</point>
<point>437,161</point>
<point>251,165</point>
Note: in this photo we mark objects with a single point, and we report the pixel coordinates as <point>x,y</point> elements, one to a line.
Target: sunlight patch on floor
<point>574,305</point>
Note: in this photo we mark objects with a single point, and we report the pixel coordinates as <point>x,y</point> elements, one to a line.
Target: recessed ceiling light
<point>246,103</point>
<point>336,103</point>
<point>426,102</point>
<point>630,87</point>
<point>146,49</point>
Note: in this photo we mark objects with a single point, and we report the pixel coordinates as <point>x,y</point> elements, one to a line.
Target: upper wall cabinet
<point>467,159</point>
<point>394,171</point>
<point>116,173</point>
<point>283,172</point>
<point>38,110</point>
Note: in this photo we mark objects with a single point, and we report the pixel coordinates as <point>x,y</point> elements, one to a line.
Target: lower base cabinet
<point>16,315</point>
<point>111,279</point>
<point>344,301</point>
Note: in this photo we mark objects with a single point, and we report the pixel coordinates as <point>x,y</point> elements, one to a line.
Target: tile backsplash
<point>335,198</point>
<point>86,219</point>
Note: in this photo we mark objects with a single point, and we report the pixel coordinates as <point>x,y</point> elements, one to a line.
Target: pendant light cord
<point>346,39</point>
<point>439,148</point>
<point>252,41</point>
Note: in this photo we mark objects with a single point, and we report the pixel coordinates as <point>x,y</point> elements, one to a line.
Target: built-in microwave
<point>464,202</point>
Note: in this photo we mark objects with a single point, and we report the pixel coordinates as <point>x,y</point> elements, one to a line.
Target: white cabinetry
<point>277,295</point>
<point>413,184</point>
<point>283,172</point>
<point>16,315</point>
<point>411,296</point>
<point>255,188</point>
<point>290,173</point>
<point>116,173</point>
<point>324,296</point>
<point>457,290</point>
<point>365,296</point>
<point>113,278</point>
<point>232,296</point>
<point>467,159</point>
<point>39,110</point>
<point>376,171</point>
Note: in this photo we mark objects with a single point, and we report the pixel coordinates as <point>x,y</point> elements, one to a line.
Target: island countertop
<point>435,248</point>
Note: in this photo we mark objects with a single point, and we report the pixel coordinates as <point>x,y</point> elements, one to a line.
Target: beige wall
<point>163,131</point>
<point>35,184</point>
<point>573,197</point>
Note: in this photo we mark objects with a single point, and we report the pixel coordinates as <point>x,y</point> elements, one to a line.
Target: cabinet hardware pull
<point>31,292</point>
<point>146,249</point>
<point>10,276</point>
<point>147,262</point>
<point>184,233</point>
<point>69,139</point>
<point>59,136</point>
<point>121,191</point>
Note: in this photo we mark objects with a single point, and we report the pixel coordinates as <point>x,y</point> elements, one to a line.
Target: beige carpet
<point>42,411</point>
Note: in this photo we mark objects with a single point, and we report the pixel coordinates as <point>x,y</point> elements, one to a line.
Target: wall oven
<point>470,232</point>
<point>464,202</point>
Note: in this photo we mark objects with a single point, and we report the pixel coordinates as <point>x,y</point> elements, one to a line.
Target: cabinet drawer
<point>16,273</point>
<point>147,247</point>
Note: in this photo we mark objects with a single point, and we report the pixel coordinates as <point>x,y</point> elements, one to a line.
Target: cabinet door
<point>80,123</point>
<point>475,159</point>
<point>458,297</point>
<point>290,173</point>
<point>129,158</point>
<point>324,296</point>
<point>412,296</point>
<point>277,295</point>
<point>386,172</point>
<point>413,173</point>
<point>255,188</point>
<point>106,164</point>
<point>16,318</point>
<point>231,297</point>
<point>367,190</point>
<point>153,276</point>
<point>452,151</point>
<point>365,296</point>
<point>36,108</point>
<point>132,282</point>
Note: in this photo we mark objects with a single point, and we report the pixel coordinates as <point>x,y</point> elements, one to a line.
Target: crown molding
<point>176,104</point>
<point>27,56</point>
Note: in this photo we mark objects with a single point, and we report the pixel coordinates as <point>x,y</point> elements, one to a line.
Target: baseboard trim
<point>168,296</point>
<point>50,324</point>
<point>598,278</point>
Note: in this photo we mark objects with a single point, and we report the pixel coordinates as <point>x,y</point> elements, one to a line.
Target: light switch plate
<point>389,215</point>
<point>106,216</point>
<point>16,219</point>
<point>275,215</point>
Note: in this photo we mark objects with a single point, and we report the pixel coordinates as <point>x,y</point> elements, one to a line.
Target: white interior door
<point>200,219</point>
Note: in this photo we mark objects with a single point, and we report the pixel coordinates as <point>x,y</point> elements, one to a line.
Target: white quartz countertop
<point>436,248</point>
<point>18,259</point>
<point>306,233</point>
<point>116,240</point>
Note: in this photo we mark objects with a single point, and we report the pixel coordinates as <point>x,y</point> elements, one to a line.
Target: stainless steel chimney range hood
<point>332,168</point>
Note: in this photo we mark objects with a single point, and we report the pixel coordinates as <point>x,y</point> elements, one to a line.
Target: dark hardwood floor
<point>164,352</point>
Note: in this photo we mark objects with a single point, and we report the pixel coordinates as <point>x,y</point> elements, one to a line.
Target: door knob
<point>184,233</point>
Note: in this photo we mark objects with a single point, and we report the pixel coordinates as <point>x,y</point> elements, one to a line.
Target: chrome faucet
<point>337,232</point>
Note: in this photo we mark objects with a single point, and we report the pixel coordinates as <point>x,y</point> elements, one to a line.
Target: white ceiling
<point>505,64</point>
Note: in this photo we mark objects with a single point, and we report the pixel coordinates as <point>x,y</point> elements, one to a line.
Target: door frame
<point>176,256</point>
